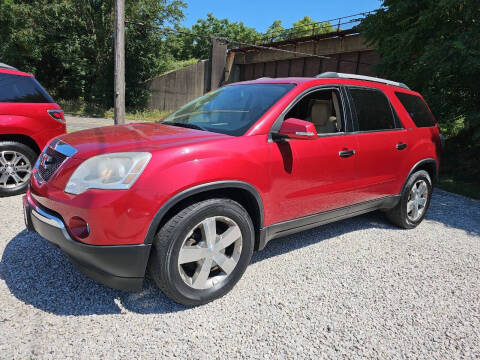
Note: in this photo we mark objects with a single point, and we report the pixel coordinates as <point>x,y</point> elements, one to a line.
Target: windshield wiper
<point>186,125</point>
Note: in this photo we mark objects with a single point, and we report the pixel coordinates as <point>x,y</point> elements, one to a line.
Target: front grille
<point>49,162</point>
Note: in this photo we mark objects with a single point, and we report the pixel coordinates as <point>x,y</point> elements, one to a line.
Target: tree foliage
<point>307,27</point>
<point>275,29</point>
<point>68,44</point>
<point>303,27</point>
<point>195,42</point>
<point>434,47</point>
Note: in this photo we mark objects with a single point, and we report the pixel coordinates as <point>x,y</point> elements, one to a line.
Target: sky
<point>260,14</point>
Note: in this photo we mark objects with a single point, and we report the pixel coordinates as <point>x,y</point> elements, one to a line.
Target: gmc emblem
<point>45,161</point>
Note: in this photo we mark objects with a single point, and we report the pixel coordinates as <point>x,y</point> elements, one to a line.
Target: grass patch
<point>144,115</point>
<point>459,185</point>
<point>80,108</point>
<point>459,166</point>
<point>180,64</point>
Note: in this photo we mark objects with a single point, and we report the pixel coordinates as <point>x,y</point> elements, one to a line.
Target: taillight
<point>57,115</point>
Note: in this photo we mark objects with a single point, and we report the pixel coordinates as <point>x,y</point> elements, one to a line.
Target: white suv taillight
<point>57,115</point>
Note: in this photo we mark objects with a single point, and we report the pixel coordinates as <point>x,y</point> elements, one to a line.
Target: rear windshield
<point>417,109</point>
<point>22,89</point>
<point>230,110</point>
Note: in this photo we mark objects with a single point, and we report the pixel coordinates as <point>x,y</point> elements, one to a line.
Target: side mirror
<point>298,129</point>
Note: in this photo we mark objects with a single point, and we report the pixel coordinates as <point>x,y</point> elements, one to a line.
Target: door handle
<point>401,146</point>
<point>346,153</point>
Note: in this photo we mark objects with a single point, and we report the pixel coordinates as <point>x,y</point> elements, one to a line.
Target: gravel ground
<point>75,123</point>
<point>356,288</point>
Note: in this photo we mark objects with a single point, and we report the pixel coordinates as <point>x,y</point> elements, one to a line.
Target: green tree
<point>68,44</point>
<point>197,45</point>
<point>275,31</point>
<point>434,47</point>
<point>307,27</point>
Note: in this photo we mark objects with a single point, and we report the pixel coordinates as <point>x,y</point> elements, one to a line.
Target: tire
<point>404,218</point>
<point>16,164</point>
<point>186,235</point>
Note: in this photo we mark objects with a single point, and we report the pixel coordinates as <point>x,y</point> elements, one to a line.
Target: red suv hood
<point>134,137</point>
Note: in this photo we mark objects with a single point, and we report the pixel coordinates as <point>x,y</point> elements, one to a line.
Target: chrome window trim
<point>278,121</point>
<point>354,110</point>
<point>376,131</point>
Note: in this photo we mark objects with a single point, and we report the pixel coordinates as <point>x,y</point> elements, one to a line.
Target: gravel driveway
<point>75,123</point>
<point>356,288</point>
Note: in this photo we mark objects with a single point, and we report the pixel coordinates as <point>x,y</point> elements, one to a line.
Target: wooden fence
<point>176,88</point>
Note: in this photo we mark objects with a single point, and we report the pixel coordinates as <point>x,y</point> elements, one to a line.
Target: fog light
<point>79,227</point>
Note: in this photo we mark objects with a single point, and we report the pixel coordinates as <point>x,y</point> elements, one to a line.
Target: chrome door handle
<point>346,153</point>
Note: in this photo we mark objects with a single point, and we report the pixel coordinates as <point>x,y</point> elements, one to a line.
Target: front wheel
<point>202,252</point>
<point>414,201</point>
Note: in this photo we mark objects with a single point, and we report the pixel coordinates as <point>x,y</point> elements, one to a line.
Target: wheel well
<point>242,196</point>
<point>23,139</point>
<point>430,167</point>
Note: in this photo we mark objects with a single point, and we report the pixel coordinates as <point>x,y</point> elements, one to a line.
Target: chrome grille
<point>48,165</point>
<point>52,158</point>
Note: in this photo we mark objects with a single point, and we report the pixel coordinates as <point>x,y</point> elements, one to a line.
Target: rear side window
<point>372,109</point>
<point>417,109</point>
<point>22,89</point>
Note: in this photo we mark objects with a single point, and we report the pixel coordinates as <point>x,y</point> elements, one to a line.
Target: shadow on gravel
<point>455,211</point>
<point>302,239</point>
<point>39,274</point>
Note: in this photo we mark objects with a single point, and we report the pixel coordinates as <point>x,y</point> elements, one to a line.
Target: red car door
<point>382,144</point>
<point>313,176</point>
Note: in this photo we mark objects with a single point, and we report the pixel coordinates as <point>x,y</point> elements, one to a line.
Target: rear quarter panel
<point>31,120</point>
<point>423,142</point>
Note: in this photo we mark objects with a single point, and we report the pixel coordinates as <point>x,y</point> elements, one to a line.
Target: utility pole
<point>119,82</point>
<point>218,54</point>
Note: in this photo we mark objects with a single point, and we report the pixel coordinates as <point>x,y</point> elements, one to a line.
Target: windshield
<point>230,110</point>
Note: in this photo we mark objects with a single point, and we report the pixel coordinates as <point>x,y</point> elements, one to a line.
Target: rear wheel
<point>201,253</point>
<point>16,164</point>
<point>414,201</point>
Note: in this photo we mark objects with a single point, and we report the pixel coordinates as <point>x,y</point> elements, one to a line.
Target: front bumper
<point>117,266</point>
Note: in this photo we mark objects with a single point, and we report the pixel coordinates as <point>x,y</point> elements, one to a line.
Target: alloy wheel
<point>417,200</point>
<point>210,252</point>
<point>15,169</point>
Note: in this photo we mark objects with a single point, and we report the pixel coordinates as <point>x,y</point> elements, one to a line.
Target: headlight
<point>109,171</point>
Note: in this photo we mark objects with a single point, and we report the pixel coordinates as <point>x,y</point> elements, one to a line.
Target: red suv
<point>29,118</point>
<point>193,196</point>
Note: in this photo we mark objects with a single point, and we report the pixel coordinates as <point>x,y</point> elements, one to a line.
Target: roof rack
<point>332,74</point>
<point>5,66</point>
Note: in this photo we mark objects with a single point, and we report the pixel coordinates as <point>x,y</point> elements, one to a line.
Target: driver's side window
<point>322,108</point>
